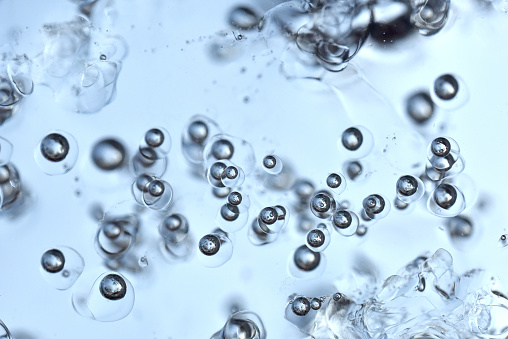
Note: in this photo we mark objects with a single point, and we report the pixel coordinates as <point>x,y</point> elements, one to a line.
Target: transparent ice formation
<point>426,299</point>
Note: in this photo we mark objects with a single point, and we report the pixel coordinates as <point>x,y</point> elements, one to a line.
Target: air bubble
<point>461,231</point>
<point>273,219</point>
<point>242,325</point>
<point>430,16</point>
<point>195,136</point>
<point>56,153</point>
<point>148,160</point>
<point>243,18</point>
<point>157,138</point>
<point>376,206</point>
<point>5,151</point>
<point>409,189</point>
<point>345,222</point>
<point>357,141</point>
<point>157,194</point>
<point>111,298</point>
<point>231,219</point>
<point>420,107</point>
<point>318,239</point>
<point>4,331</point>
<point>215,249</point>
<point>304,263</point>
<point>232,176</point>
<point>446,87</point>
<point>503,240</point>
<point>115,236</point>
<point>108,154</point>
<point>322,205</point>
<point>446,201</point>
<point>272,164</point>
<point>354,170</point>
<point>61,267</point>
<point>10,187</point>
<point>336,182</point>
<point>174,228</point>
<point>221,192</point>
<point>215,172</point>
<point>222,147</point>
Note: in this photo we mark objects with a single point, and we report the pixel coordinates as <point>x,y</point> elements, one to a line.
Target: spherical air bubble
<point>354,170</point>
<point>429,17</point>
<point>113,239</point>
<point>420,107</point>
<point>409,188</point>
<point>461,230</point>
<point>442,147</point>
<point>239,199</point>
<point>446,201</point>
<point>361,231</point>
<point>148,160</point>
<point>272,219</point>
<point>345,222</point>
<point>303,189</point>
<point>174,228</point>
<point>401,205</point>
<point>242,325</point>
<point>111,298</point>
<point>304,263</point>
<point>446,87</point>
<point>322,205</point>
<point>243,17</point>
<point>10,186</point>
<point>231,219</point>
<point>196,135</point>
<point>157,138</point>
<point>336,182</point>
<point>215,249</point>
<point>376,206</point>
<point>301,306</point>
<point>157,194</point>
<point>4,331</point>
<point>138,187</point>
<point>272,164</point>
<point>503,240</point>
<point>221,192</point>
<point>318,239</point>
<point>232,176</point>
<point>259,235</point>
<point>56,153</point>
<point>108,154</point>
<point>357,141</point>
<point>214,173</point>
<point>225,147</point>
<point>5,151</point>
<point>300,313</point>
<point>61,267</point>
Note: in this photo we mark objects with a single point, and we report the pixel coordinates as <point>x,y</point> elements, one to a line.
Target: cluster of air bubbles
<point>109,154</point>
<point>429,16</point>
<point>376,206</point>
<point>357,141</point>
<point>409,189</point>
<point>111,298</point>
<point>336,182</point>
<point>234,214</point>
<point>152,192</point>
<point>151,157</point>
<point>56,153</point>
<point>177,240</point>
<point>444,159</point>
<point>345,222</point>
<point>322,204</point>
<point>116,236</point>
<point>61,267</point>
<point>318,239</point>
<point>86,62</point>
<point>272,164</point>
<point>447,200</point>
<point>242,325</point>
<point>268,224</point>
<point>215,249</point>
